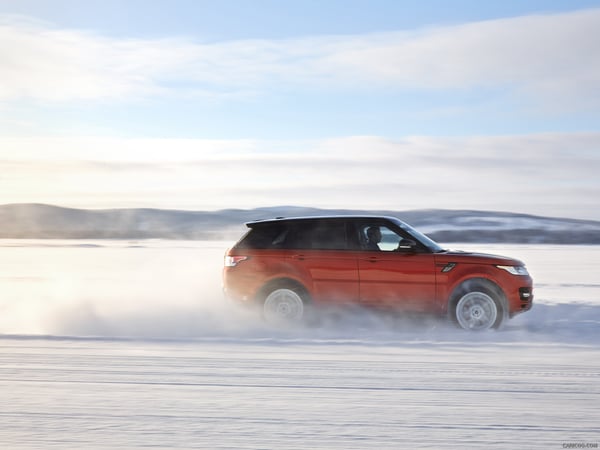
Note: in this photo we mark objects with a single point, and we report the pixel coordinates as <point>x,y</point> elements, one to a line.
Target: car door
<point>320,251</point>
<point>393,277</point>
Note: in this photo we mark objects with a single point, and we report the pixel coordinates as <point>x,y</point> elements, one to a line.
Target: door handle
<point>299,257</point>
<point>373,259</point>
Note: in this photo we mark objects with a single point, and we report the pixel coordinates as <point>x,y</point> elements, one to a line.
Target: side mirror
<point>406,245</point>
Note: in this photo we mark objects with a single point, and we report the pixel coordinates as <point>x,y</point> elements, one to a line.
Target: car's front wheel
<point>283,305</point>
<point>479,308</point>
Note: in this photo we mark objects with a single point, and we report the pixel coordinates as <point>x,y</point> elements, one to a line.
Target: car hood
<point>474,257</point>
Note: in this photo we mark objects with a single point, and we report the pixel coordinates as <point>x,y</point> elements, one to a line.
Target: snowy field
<point>129,345</point>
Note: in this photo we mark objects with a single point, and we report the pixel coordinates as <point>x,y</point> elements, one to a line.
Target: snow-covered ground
<point>129,345</point>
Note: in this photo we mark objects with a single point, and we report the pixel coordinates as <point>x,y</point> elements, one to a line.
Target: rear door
<point>320,249</point>
<point>396,278</point>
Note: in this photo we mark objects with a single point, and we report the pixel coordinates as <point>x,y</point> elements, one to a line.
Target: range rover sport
<point>285,264</point>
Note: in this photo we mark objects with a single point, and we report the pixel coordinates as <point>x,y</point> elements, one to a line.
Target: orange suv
<point>285,264</point>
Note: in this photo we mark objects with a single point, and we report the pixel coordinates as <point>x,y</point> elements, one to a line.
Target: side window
<point>389,240</point>
<point>320,236</point>
<point>375,237</point>
<point>265,237</point>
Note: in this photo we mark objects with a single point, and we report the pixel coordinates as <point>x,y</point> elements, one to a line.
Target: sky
<point>360,104</point>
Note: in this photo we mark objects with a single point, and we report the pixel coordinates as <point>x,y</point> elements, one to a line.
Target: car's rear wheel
<point>478,307</point>
<point>283,305</point>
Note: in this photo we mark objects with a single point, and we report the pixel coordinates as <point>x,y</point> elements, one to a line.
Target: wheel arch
<point>469,284</point>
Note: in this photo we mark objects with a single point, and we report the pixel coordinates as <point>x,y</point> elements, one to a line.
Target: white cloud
<point>554,58</point>
<point>528,173</point>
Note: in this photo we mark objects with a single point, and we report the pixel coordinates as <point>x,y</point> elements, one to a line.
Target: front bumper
<point>525,300</point>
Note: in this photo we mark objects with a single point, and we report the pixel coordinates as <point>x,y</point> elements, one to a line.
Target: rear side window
<point>319,235</point>
<point>265,237</point>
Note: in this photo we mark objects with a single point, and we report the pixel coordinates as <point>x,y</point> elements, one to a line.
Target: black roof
<point>317,218</point>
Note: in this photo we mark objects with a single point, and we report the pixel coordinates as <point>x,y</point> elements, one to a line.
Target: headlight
<point>515,270</point>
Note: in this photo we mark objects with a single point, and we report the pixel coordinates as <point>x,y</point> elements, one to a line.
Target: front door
<point>395,277</point>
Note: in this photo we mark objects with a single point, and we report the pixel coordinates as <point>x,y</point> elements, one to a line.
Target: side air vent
<point>448,267</point>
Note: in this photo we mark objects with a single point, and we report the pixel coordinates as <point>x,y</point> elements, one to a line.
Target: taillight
<point>232,261</point>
